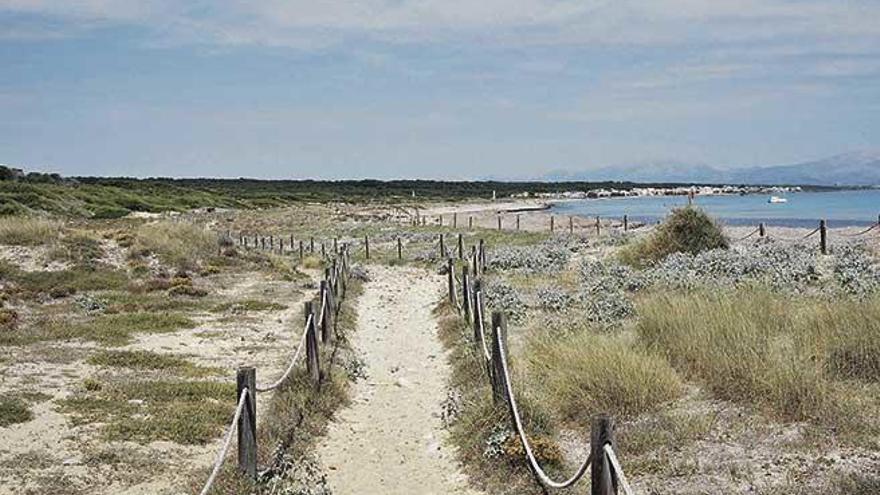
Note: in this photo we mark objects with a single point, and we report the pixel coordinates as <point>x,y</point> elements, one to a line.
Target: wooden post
<point>450,268</point>
<point>442,247</point>
<point>465,299</point>
<point>323,251</point>
<point>312,362</point>
<point>325,310</point>
<point>625,223</point>
<point>440,220</point>
<point>454,220</point>
<point>280,245</point>
<point>271,242</point>
<point>517,222</point>
<point>482,253</point>
<point>335,245</point>
<point>598,226</point>
<point>551,223</point>
<point>300,250</point>
<point>246,378</point>
<point>291,241</point>
<point>470,222</point>
<point>761,230</point>
<point>367,246</point>
<point>571,224</point>
<point>399,249</point>
<point>312,245</point>
<point>823,237</point>
<point>479,308</point>
<point>245,242</point>
<point>499,321</point>
<point>475,263</point>
<point>499,222</point>
<point>602,433</point>
<point>460,247</point>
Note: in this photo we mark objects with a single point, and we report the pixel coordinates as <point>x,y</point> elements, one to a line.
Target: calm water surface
<point>803,209</point>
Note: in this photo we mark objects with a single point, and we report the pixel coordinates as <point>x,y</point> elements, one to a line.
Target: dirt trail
<point>391,440</point>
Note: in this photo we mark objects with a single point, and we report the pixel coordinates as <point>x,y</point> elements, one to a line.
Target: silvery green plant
<point>541,258</point>
<point>555,299</point>
<point>501,296</point>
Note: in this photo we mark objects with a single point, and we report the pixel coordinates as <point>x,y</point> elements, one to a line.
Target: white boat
<point>777,199</point>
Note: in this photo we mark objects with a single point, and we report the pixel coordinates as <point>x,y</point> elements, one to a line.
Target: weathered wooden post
<point>598,226</point>
<point>625,223</point>
<point>271,242</point>
<point>460,247</point>
<point>601,434</point>
<point>325,312</point>
<point>465,296</point>
<point>440,220</point>
<point>280,245</point>
<point>470,222</point>
<point>300,250</point>
<point>335,245</point>
<point>246,383</point>
<point>570,224</point>
<point>482,256</point>
<point>245,242</point>
<point>517,222</point>
<point>312,363</point>
<point>475,263</point>
<point>454,220</point>
<point>450,268</point>
<point>552,219</point>
<point>399,248</point>
<point>823,237</point>
<point>479,307</point>
<point>499,222</point>
<point>442,247</point>
<point>323,250</point>
<point>312,245</point>
<point>367,246</point>
<point>761,230</point>
<point>291,241</point>
<point>499,322</point>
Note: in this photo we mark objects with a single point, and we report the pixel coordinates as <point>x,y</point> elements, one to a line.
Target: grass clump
<point>180,245</point>
<point>13,410</point>
<point>185,412</point>
<point>685,230</point>
<point>581,374</point>
<point>248,305</point>
<point>147,360</point>
<point>28,231</point>
<point>108,329</point>
<point>785,357</point>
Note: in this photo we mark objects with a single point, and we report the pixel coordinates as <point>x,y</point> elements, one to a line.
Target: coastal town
<point>661,191</point>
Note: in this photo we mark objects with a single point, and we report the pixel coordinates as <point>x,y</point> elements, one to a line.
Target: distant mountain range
<point>850,169</point>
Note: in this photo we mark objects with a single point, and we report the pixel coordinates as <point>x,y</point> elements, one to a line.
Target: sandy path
<point>391,439</point>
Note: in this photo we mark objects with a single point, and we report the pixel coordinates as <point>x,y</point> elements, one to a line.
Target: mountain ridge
<point>859,168</point>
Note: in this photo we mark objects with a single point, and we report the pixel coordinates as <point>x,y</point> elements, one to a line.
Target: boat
<point>777,199</point>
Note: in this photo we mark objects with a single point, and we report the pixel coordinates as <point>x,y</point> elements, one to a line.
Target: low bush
<point>685,230</point>
<point>13,410</point>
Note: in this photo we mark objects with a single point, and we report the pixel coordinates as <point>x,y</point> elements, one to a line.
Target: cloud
<point>314,25</point>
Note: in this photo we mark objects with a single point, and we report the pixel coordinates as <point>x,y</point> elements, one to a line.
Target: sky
<point>451,89</point>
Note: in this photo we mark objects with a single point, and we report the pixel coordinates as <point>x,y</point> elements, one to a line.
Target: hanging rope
<point>226,443</point>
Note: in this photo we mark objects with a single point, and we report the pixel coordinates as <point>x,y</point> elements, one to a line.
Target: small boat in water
<point>777,199</point>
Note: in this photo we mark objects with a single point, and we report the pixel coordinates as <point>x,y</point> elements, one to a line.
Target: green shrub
<point>685,230</point>
<point>12,411</point>
<point>108,212</point>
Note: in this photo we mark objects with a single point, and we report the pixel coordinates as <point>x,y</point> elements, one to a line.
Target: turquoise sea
<point>803,209</point>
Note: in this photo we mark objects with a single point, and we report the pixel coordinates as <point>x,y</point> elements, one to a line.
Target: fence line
<point>606,472</point>
<point>244,417</point>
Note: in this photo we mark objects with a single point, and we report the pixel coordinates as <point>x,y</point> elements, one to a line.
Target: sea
<point>840,208</point>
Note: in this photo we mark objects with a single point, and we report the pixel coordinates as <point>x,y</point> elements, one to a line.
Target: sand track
<point>391,439</point>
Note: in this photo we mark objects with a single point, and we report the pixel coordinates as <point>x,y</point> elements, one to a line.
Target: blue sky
<point>432,88</point>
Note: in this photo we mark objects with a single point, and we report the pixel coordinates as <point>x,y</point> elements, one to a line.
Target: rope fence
<point>607,475</point>
<point>332,288</point>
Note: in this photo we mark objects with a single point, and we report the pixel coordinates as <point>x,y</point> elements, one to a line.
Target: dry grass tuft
<point>579,375</point>
<point>28,231</point>
<point>790,358</point>
<point>685,230</point>
<point>181,245</point>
